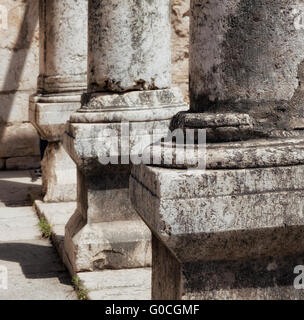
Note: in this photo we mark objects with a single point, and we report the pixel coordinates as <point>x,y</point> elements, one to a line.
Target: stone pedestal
<point>62,80</point>
<point>106,232</point>
<point>233,230</point>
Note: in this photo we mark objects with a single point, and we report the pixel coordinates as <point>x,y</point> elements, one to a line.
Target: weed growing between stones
<point>45,227</point>
<point>82,292</point>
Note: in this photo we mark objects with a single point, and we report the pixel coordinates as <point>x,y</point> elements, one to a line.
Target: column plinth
<point>232,230</point>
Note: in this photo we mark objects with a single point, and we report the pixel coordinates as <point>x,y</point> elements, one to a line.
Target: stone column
<point>62,80</point>
<point>129,80</point>
<point>233,230</point>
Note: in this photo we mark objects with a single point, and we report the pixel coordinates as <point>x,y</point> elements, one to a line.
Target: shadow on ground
<point>17,188</point>
<point>37,261</point>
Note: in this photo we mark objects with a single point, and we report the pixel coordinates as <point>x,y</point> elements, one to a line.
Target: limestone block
<point>22,25</point>
<point>19,140</point>
<point>132,53</point>
<point>107,245</point>
<point>19,46</point>
<point>49,113</point>
<point>59,181</point>
<point>14,107</point>
<point>222,234</point>
<point>23,163</point>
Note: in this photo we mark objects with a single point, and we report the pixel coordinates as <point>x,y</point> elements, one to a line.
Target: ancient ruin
<point>172,156</point>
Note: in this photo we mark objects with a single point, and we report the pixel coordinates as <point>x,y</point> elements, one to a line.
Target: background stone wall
<point>19,69</point>
<point>19,61</point>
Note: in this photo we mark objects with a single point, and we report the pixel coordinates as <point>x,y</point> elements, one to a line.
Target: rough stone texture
<point>264,278</point>
<point>180,45</point>
<point>18,73</point>
<point>23,163</point>
<point>132,53</point>
<point>19,140</point>
<point>131,106</point>
<point>63,45</point>
<point>247,57</point>
<point>14,107</point>
<point>49,113</point>
<point>107,245</point>
<point>234,155</point>
<point>103,199</point>
<point>19,47</point>
<point>104,232</point>
<point>59,180</point>
<point>197,215</point>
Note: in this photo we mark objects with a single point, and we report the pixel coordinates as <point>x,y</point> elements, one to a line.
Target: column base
<point>49,113</point>
<point>59,179</point>
<point>232,232</point>
<point>107,245</point>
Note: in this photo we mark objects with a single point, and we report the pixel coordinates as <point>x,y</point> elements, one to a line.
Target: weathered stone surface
<point>264,278</point>
<point>205,205</point>
<point>49,113</point>
<point>93,145</point>
<point>180,45</point>
<point>213,220</point>
<point>107,245</point>
<point>19,46</point>
<point>19,69</point>
<point>18,73</point>
<point>233,70</point>
<point>63,45</point>
<point>131,106</point>
<point>59,180</point>
<point>19,140</point>
<point>14,107</point>
<point>235,155</point>
<point>131,53</point>
<point>23,163</point>
<point>105,232</point>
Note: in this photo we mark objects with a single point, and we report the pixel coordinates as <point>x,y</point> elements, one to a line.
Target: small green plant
<point>82,292</point>
<point>45,227</point>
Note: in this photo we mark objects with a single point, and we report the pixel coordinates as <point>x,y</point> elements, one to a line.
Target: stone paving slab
<point>46,286</point>
<point>16,188</point>
<point>30,257</point>
<point>128,293</point>
<point>110,279</point>
<point>56,213</point>
<point>126,284</point>
<point>35,271</point>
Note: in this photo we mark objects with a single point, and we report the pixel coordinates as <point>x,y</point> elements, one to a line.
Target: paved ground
<point>35,271</point>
